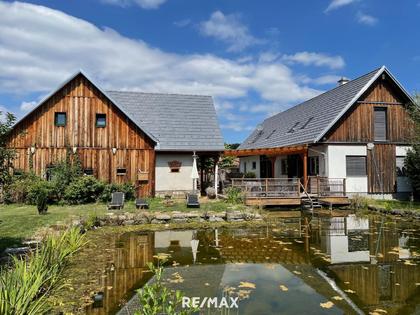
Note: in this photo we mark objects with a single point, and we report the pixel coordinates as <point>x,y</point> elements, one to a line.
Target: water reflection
<point>373,261</point>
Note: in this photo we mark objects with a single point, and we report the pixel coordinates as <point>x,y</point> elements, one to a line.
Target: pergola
<point>272,154</point>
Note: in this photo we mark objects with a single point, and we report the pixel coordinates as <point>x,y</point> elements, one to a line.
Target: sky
<point>256,58</point>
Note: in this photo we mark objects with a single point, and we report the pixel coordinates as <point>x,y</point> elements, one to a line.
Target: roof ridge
<point>157,93</point>
<point>325,92</point>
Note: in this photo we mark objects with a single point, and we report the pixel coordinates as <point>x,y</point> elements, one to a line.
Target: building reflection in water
<point>373,258</point>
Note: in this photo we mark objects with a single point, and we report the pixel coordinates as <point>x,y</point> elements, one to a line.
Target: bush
<point>62,175</point>
<point>84,189</point>
<point>18,188</point>
<point>42,200</point>
<point>249,175</point>
<point>234,195</point>
<point>211,192</point>
<point>127,188</point>
<point>359,202</point>
<point>38,190</point>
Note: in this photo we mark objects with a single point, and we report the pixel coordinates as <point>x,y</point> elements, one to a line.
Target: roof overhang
<point>298,149</point>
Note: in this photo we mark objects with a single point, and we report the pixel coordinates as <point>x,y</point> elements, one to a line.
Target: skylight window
<point>271,133</point>
<point>292,130</point>
<point>307,123</point>
<point>258,135</point>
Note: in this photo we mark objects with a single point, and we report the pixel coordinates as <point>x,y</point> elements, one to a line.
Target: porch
<point>291,191</point>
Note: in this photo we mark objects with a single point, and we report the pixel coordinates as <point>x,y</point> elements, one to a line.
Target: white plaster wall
<point>403,183</point>
<point>337,166</point>
<point>168,181</point>
<point>248,160</point>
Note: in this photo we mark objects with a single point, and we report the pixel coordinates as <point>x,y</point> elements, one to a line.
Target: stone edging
<point>397,212</point>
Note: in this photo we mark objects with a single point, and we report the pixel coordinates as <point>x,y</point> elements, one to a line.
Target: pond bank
<point>414,214</point>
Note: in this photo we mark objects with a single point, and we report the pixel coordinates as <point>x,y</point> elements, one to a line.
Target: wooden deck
<point>290,191</point>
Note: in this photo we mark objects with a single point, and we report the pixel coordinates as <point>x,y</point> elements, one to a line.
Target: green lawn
<point>19,222</point>
<point>395,204</point>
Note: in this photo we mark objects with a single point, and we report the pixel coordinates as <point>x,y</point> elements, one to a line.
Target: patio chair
<point>192,201</point>
<point>142,203</point>
<point>117,201</point>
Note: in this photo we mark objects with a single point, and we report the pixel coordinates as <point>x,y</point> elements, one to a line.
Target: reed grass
<point>27,282</point>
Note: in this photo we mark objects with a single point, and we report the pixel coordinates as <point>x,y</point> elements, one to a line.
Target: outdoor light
<point>74,150</point>
<point>33,149</point>
<point>114,150</point>
<point>98,300</point>
<point>370,146</point>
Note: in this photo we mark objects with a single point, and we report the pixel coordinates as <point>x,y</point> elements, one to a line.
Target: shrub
<point>234,195</point>
<point>18,188</point>
<point>84,189</point>
<point>249,175</point>
<point>39,188</point>
<point>359,202</point>
<point>127,188</point>
<point>62,175</point>
<point>41,201</point>
<point>211,192</point>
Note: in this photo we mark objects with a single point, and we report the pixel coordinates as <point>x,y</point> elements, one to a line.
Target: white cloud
<point>336,4</point>
<point>322,80</point>
<point>182,23</point>
<point>230,30</point>
<point>316,59</point>
<point>366,19</point>
<point>27,106</point>
<point>40,47</point>
<point>145,4</point>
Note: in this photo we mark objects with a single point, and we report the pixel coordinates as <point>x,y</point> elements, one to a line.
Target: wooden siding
<point>358,124</point>
<point>82,101</point>
<point>381,169</point>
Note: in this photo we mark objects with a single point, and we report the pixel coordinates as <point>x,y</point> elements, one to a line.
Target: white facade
<point>332,164</point>
<point>168,181</point>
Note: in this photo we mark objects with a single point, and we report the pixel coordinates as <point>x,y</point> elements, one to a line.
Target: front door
<point>294,166</point>
<point>266,170</point>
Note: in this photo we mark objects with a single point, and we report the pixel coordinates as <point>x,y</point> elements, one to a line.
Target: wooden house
<point>350,140</point>
<point>147,139</point>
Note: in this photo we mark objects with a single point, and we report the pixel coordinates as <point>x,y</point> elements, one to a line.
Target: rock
<point>155,221</point>
<point>163,217</point>
<point>179,215</point>
<point>128,222</point>
<point>192,215</point>
<point>179,220</point>
<point>17,250</point>
<point>215,219</point>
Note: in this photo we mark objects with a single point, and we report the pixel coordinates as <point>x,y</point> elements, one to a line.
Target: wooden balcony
<point>288,191</point>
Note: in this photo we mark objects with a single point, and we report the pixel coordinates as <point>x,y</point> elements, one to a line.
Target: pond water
<point>324,265</point>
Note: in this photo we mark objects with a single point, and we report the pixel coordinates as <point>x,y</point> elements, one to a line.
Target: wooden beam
<point>305,169</point>
<point>268,151</point>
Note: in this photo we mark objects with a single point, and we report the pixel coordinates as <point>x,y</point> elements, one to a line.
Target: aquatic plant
<point>156,299</point>
<point>234,195</point>
<point>26,284</point>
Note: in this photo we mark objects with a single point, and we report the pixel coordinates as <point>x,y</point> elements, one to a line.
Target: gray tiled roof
<point>178,122</point>
<point>321,112</point>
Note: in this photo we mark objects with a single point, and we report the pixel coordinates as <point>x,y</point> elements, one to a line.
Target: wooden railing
<point>268,187</point>
<point>326,187</point>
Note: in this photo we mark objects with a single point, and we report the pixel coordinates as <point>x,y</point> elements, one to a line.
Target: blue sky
<point>256,58</point>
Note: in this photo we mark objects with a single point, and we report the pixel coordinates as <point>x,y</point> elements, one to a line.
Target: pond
<point>321,265</point>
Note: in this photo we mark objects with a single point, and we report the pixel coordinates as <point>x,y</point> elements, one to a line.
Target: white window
<point>356,166</point>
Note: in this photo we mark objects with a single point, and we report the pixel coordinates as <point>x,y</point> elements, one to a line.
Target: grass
<point>395,204</point>
<point>19,222</point>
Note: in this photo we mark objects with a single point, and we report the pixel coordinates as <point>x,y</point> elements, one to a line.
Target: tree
<point>412,160</point>
<point>229,161</point>
<point>6,154</point>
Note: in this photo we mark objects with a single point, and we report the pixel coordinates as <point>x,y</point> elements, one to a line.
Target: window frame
<point>89,169</point>
<point>56,115</point>
<point>99,116</point>
<point>119,173</point>
<point>380,109</point>
<point>254,165</point>
<point>365,168</point>
<point>403,170</point>
<point>313,163</point>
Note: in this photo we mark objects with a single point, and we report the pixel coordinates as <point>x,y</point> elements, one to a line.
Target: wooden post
<point>273,166</point>
<point>344,186</point>
<point>266,185</point>
<point>305,168</point>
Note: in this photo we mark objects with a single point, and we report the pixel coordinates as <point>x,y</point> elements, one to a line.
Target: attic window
<point>100,120</point>
<point>258,135</point>
<point>271,133</point>
<point>307,123</point>
<point>60,119</point>
<point>292,130</point>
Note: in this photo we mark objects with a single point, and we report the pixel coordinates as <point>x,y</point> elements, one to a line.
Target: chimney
<point>342,81</point>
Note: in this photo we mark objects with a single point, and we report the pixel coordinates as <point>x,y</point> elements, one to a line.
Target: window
<point>100,120</point>
<point>60,119</point>
<point>254,165</point>
<point>307,123</point>
<point>121,171</point>
<point>380,121</point>
<point>356,165</point>
<point>244,167</point>
<point>49,172</point>
<point>284,167</point>
<point>401,171</point>
<point>88,171</point>
<point>17,172</point>
<point>292,130</point>
<point>271,133</point>
<point>313,165</point>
